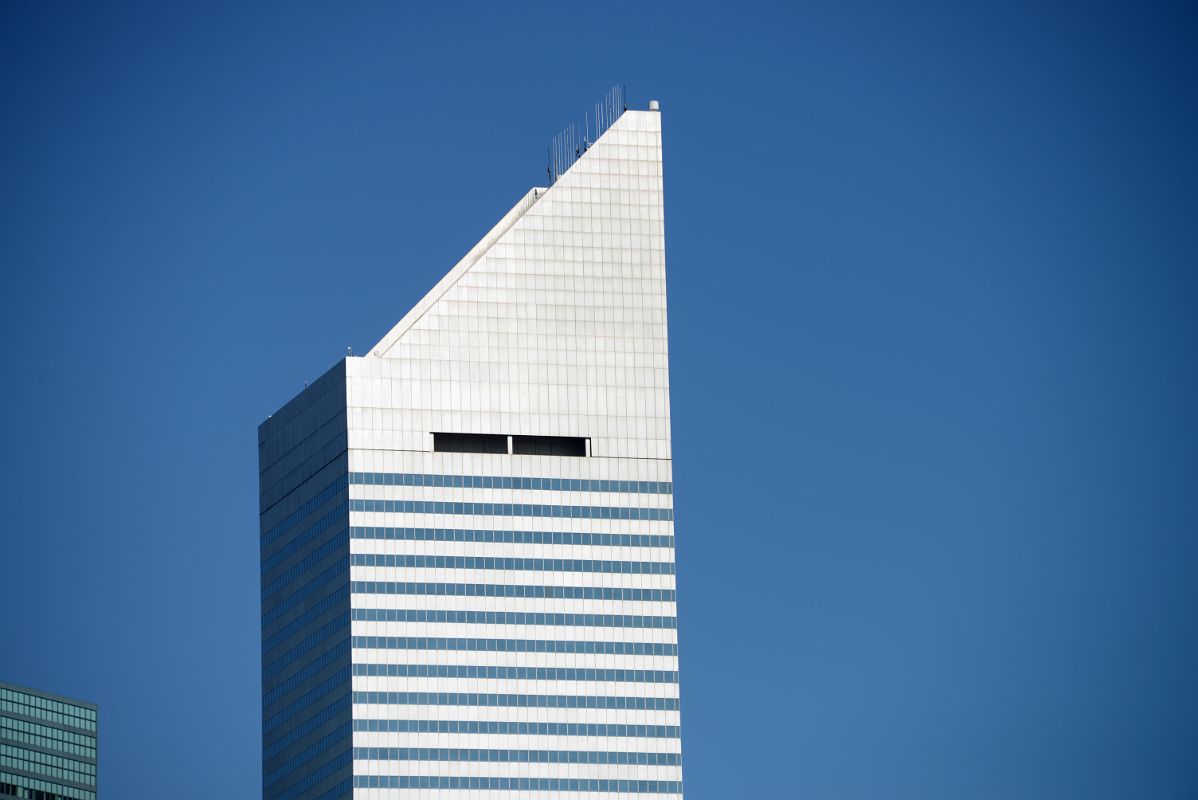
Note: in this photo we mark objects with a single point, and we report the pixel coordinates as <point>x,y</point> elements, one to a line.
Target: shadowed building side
<point>304,534</point>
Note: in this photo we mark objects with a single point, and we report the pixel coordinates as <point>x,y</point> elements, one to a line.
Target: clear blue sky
<point>934,349</point>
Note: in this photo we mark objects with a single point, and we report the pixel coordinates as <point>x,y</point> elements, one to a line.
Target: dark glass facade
<point>307,729</point>
<point>47,746</point>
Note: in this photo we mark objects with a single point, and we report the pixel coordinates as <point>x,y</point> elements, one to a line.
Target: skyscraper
<point>467,534</point>
<point>47,746</point>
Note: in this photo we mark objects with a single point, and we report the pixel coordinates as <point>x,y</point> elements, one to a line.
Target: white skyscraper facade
<point>468,584</point>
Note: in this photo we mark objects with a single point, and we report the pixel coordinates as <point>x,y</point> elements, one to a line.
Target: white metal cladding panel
<point>598,567</point>
<point>367,655</point>
<point>515,604</point>
<point>517,686</point>
<point>522,496</point>
<point>511,550</point>
<point>377,459</point>
<point>503,576</point>
<point>422,794</point>
<point>559,328</point>
<point>380,519</point>
<point>494,741</point>
<point>509,714</point>
<point>654,772</point>
<point>512,631</point>
<point>598,633</point>
<point>554,325</point>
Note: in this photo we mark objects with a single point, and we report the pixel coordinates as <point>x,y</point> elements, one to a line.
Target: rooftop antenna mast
<point>569,144</point>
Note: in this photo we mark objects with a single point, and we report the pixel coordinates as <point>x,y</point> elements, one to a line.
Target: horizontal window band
<point>513,618</point>
<point>12,782</point>
<point>488,700</point>
<point>512,537</point>
<point>514,645</point>
<point>481,727</point>
<point>515,756</point>
<point>509,482</point>
<point>516,784</point>
<point>40,709</point>
<point>13,730</point>
<point>47,729</point>
<point>18,698</point>
<point>516,673</point>
<point>513,564</point>
<point>65,767</point>
<point>516,590</point>
<point>511,510</point>
<point>61,759</point>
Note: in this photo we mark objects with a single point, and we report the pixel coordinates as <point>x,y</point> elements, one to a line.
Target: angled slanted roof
<point>554,324</point>
<point>459,269</point>
<point>616,162</point>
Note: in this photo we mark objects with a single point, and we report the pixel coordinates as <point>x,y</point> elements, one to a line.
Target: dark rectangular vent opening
<point>470,443</point>
<point>549,445</point>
